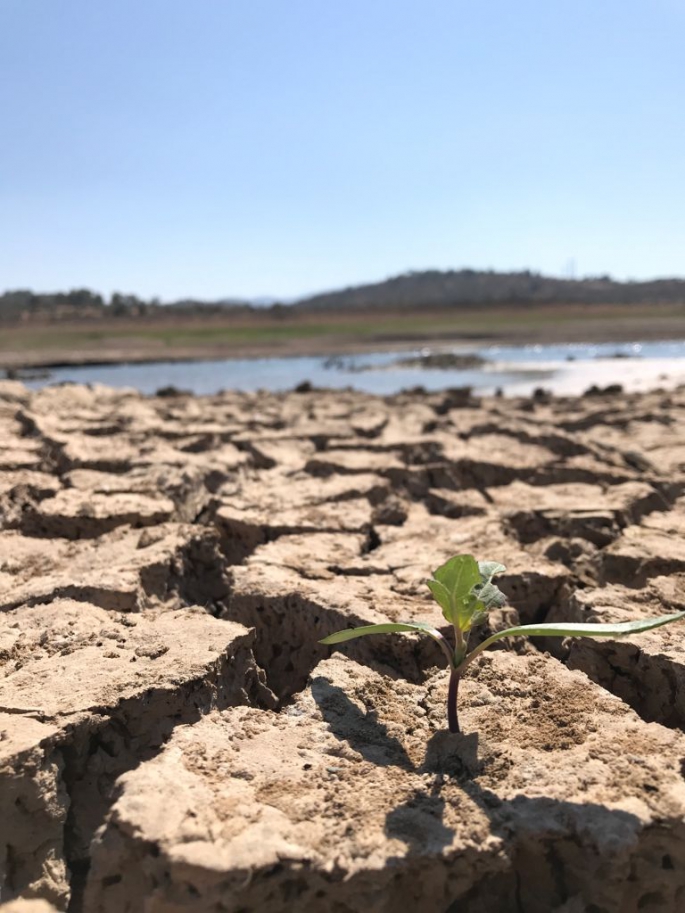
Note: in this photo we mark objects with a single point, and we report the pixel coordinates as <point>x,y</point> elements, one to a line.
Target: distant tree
<point>84,298</point>
<point>126,305</point>
<point>279,311</point>
<point>14,304</point>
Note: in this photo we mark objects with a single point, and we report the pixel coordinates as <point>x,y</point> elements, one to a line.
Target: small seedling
<point>464,590</point>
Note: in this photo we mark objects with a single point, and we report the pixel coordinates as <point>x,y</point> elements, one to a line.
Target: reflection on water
<point>513,369</point>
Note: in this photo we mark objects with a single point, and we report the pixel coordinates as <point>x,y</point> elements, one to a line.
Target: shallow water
<point>516,370</point>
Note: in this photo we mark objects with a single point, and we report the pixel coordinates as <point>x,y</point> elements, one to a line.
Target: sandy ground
<point>173,736</point>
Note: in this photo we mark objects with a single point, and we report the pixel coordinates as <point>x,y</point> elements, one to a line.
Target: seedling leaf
<point>442,597</point>
<point>590,629</point>
<point>471,611</point>
<point>419,627</point>
<point>460,574</point>
<point>491,596</point>
<point>390,628</point>
<point>490,569</point>
<point>576,629</point>
<point>457,578</point>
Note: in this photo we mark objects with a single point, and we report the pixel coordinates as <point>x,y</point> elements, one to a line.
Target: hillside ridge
<point>419,288</point>
<point>451,288</point>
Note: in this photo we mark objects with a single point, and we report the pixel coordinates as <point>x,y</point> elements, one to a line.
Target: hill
<point>435,289</point>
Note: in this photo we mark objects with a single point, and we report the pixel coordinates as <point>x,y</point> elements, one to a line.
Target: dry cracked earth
<point>172,736</point>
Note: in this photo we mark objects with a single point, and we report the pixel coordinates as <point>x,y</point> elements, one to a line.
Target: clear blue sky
<point>250,147</point>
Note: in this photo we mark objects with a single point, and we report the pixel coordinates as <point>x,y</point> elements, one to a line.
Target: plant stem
<point>467,660</point>
<point>445,647</point>
<point>452,695</point>
<point>459,641</point>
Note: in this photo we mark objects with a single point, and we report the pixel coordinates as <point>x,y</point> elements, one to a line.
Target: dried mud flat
<point>172,736</point>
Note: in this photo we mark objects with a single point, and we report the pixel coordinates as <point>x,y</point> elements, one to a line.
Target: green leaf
<point>577,629</point>
<point>442,597</point>
<point>471,611</point>
<point>479,615</point>
<point>460,574</point>
<point>490,569</point>
<point>590,629</point>
<point>488,595</point>
<point>419,627</point>
<point>390,628</point>
<point>491,596</point>
<point>456,578</point>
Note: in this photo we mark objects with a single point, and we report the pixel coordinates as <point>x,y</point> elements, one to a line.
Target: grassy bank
<point>112,340</point>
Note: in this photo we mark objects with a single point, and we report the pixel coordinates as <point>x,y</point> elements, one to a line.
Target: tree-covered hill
<point>433,288</point>
<point>414,290</point>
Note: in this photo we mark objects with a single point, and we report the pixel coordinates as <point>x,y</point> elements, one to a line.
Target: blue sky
<point>251,147</point>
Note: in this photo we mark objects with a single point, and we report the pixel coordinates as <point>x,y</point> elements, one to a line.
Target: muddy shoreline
<point>105,342</point>
<point>172,735</point>
<point>32,360</point>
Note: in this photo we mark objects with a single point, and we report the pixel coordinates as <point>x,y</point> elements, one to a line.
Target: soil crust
<point>173,736</point>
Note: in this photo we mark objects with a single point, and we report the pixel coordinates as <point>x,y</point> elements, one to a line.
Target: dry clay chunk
<point>648,671</point>
<point>33,809</point>
<point>574,509</point>
<point>642,552</point>
<point>28,906</point>
<point>292,613</point>
<point>424,542</point>
<point>125,570</point>
<point>94,692</point>
<point>85,514</point>
<point>69,657</point>
<point>355,798</point>
<point>243,530</point>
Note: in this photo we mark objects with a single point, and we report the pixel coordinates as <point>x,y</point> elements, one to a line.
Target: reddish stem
<point>452,695</point>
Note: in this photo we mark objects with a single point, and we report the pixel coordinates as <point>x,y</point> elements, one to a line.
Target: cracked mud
<point>173,737</point>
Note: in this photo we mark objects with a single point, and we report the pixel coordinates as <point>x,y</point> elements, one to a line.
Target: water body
<point>516,370</point>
